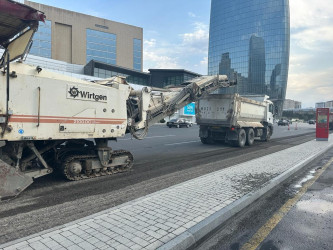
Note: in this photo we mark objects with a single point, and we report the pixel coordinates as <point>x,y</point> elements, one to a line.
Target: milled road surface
<point>165,158</point>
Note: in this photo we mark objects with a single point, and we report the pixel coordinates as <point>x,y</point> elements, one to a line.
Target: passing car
<point>178,123</point>
<point>283,123</point>
<point>312,122</point>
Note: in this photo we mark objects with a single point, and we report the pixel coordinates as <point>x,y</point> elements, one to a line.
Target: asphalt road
<point>163,141</point>
<point>167,156</point>
<point>296,215</point>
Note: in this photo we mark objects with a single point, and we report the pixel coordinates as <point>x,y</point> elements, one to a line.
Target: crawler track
<point>101,172</point>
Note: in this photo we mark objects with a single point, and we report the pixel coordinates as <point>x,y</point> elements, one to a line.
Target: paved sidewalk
<point>178,216</point>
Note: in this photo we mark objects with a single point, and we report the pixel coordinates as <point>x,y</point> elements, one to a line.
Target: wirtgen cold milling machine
<point>51,121</point>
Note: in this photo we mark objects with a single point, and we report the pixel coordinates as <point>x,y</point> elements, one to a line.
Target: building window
<point>101,46</point>
<point>41,45</point>
<point>177,80</point>
<point>173,80</point>
<point>137,54</point>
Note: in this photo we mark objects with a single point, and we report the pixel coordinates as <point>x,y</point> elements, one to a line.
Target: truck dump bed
<point>230,110</point>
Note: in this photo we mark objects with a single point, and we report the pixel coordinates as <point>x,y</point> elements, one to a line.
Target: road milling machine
<point>51,121</point>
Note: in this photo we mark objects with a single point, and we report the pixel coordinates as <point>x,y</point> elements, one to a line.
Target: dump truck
<point>50,121</point>
<point>234,119</point>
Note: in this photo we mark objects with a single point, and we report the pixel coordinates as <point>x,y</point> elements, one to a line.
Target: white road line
<point>151,137</point>
<point>177,143</point>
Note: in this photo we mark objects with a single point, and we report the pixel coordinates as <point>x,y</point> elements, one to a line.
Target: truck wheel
<point>241,138</point>
<point>206,140</point>
<point>250,137</point>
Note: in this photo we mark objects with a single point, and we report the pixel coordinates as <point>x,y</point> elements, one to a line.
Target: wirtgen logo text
<point>85,94</point>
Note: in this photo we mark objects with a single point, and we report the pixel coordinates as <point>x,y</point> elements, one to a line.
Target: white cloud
<point>311,23</point>
<point>310,68</point>
<point>191,14</point>
<point>186,53</point>
<point>315,38</point>
<point>204,61</point>
<point>310,13</point>
<point>149,43</point>
<point>157,57</point>
<point>198,39</point>
<point>297,61</point>
<point>159,61</point>
<point>311,87</point>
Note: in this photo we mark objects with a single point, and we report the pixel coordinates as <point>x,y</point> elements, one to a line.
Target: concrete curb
<point>193,235</point>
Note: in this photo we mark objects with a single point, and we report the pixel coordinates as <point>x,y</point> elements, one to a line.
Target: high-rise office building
<point>77,38</point>
<point>249,39</point>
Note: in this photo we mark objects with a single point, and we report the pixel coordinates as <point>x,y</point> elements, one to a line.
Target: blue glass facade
<point>250,39</point>
<point>137,54</point>
<point>101,46</point>
<point>41,45</point>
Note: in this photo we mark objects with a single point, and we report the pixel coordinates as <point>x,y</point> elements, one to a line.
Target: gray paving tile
<point>86,246</point>
<point>74,247</point>
<point>17,245</point>
<point>140,241</point>
<point>36,245</point>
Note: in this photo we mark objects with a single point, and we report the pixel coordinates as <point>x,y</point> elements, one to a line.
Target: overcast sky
<point>175,34</point>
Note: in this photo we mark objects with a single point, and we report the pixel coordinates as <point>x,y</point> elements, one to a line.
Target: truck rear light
<point>232,128</point>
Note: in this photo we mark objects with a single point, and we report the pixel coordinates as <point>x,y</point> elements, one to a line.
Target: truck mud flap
<point>232,135</point>
<point>203,132</point>
<point>12,181</point>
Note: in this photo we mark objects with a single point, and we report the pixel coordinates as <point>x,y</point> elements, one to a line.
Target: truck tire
<point>241,138</point>
<point>250,137</point>
<point>207,140</point>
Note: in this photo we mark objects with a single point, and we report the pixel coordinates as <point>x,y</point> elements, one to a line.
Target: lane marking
<point>178,143</point>
<point>150,137</point>
<point>263,232</point>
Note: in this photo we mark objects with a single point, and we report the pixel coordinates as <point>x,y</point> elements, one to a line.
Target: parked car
<point>179,123</point>
<point>283,123</point>
<point>312,122</point>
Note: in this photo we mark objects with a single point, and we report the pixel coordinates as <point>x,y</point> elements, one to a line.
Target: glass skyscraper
<point>249,39</point>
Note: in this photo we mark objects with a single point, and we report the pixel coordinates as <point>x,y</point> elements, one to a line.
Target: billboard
<point>190,109</point>
<point>322,124</point>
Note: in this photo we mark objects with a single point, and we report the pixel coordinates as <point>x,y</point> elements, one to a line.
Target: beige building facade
<point>328,104</point>
<point>77,38</point>
<point>291,104</point>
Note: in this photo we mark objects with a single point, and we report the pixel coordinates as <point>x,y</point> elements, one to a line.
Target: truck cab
<point>270,112</point>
